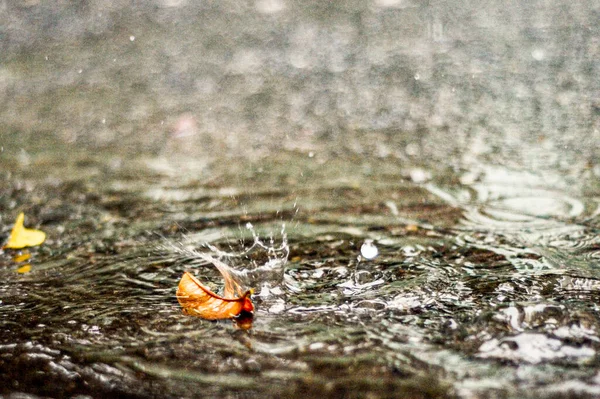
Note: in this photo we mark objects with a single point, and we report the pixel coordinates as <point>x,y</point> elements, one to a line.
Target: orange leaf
<point>21,237</point>
<point>198,300</point>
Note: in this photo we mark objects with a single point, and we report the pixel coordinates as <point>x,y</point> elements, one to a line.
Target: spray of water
<point>268,277</point>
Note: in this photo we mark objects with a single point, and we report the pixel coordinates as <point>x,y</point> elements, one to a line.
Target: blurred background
<point>500,82</point>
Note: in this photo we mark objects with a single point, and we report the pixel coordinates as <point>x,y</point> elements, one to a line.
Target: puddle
<point>413,196</point>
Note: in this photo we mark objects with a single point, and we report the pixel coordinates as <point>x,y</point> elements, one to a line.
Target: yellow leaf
<point>22,257</point>
<point>24,269</point>
<point>21,237</point>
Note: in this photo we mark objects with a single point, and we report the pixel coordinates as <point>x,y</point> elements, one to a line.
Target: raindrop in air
<point>368,250</point>
<point>538,54</point>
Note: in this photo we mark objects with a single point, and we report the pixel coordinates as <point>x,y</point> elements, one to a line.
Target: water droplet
<point>390,3</point>
<point>270,6</point>
<point>419,175</point>
<point>368,250</point>
<point>538,54</point>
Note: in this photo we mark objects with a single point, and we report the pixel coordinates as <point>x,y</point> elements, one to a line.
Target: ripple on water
<point>512,200</point>
<point>522,218</point>
<point>525,216</point>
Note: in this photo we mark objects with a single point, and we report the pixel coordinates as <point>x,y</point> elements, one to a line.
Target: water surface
<point>461,141</point>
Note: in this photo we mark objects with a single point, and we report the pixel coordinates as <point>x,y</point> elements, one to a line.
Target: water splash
<point>260,265</point>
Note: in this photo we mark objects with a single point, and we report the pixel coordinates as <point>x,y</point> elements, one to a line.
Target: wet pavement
<point>411,189</point>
